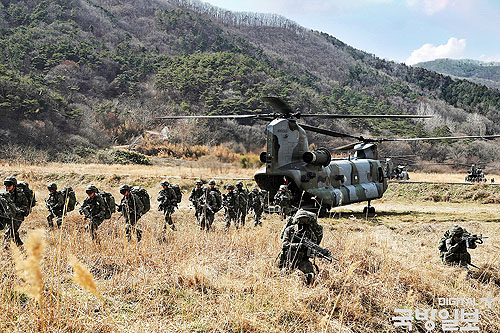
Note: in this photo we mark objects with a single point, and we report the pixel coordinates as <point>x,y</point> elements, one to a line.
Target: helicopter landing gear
<point>369,210</point>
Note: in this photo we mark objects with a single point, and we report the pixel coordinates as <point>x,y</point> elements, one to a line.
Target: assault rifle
<point>315,249</point>
<point>471,239</point>
<point>86,212</point>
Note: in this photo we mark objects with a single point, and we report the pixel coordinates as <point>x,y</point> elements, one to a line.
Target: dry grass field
<point>192,281</point>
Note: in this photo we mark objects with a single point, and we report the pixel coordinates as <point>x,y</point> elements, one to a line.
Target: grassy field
<point>221,281</point>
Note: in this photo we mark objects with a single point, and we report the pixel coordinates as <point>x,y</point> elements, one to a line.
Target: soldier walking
<point>243,204</point>
<point>168,202</point>
<point>216,192</point>
<point>132,209</point>
<point>55,205</point>
<point>230,202</point>
<point>195,195</point>
<point>22,207</point>
<point>283,199</point>
<point>256,204</point>
<point>207,208</point>
<point>94,210</point>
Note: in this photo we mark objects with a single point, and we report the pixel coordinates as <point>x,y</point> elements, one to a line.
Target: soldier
<point>453,247</point>
<point>283,199</point>
<point>195,195</point>
<point>294,255</point>
<point>207,208</point>
<point>7,209</point>
<point>21,203</point>
<point>243,204</point>
<point>230,202</point>
<point>132,209</point>
<point>216,192</point>
<point>55,205</point>
<point>256,204</point>
<point>168,201</point>
<point>94,210</point>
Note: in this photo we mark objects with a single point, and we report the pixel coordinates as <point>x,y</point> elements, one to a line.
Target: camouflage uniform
<point>216,192</point>
<point>7,209</point>
<point>256,204</point>
<point>293,255</point>
<point>243,203</point>
<point>207,208</point>
<point>22,208</point>
<point>94,209</point>
<point>453,247</point>
<point>230,202</point>
<point>55,205</point>
<point>283,199</point>
<point>132,209</point>
<point>195,195</point>
<point>168,201</point>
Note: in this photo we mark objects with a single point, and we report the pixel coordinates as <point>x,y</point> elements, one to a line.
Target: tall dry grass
<point>189,280</point>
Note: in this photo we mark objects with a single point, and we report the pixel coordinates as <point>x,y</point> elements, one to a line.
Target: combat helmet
<point>456,231</point>
<point>91,189</point>
<point>303,216</point>
<point>255,190</point>
<point>211,182</point>
<point>198,183</point>
<point>10,180</point>
<point>52,187</point>
<point>282,187</point>
<point>230,187</point>
<point>239,184</point>
<point>165,183</point>
<point>124,188</point>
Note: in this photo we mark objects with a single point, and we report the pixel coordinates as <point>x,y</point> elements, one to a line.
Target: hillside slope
<point>98,73</point>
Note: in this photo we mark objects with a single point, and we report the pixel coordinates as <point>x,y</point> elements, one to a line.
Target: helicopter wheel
<point>369,209</point>
<point>323,212</point>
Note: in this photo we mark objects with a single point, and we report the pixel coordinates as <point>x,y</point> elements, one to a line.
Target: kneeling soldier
<point>132,209</point>
<point>55,205</point>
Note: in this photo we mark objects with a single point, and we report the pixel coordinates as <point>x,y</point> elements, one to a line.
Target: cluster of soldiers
<point>237,203</point>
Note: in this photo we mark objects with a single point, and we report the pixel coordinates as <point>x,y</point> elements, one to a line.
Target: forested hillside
<point>487,73</point>
<point>77,76</point>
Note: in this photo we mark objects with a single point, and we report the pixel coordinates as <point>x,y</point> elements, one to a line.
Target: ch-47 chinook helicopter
<point>318,182</point>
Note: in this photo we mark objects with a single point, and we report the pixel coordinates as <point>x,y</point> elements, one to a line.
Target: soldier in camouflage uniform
<point>453,247</point>
<point>303,225</point>
<point>283,199</point>
<point>55,205</point>
<point>94,210</point>
<point>243,204</point>
<point>132,209</point>
<point>22,208</point>
<point>216,192</point>
<point>256,204</point>
<point>195,195</point>
<point>207,208</point>
<point>230,202</point>
<point>7,209</point>
<point>168,201</point>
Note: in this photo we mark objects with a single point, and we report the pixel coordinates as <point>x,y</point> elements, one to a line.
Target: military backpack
<point>69,198</point>
<point>144,196</point>
<point>110,202</point>
<point>29,193</point>
<point>178,192</point>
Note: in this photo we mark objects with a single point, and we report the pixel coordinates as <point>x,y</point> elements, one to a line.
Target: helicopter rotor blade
<point>339,116</point>
<point>278,104</point>
<point>329,132</point>
<point>349,146</point>
<point>463,137</point>
<point>267,116</point>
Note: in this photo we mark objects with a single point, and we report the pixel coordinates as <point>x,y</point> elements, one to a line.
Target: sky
<point>408,31</point>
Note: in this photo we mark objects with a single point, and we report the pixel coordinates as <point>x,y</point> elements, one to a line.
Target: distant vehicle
<point>475,175</point>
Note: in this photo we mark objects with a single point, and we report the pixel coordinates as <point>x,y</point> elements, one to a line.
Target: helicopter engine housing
<point>319,157</point>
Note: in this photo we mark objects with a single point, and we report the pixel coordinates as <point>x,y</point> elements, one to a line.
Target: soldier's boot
<point>243,217</point>
<point>59,222</point>
<point>50,221</point>
<point>18,240</point>
<point>139,234</point>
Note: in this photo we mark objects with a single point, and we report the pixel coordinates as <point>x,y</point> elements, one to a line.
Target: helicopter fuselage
<point>314,179</point>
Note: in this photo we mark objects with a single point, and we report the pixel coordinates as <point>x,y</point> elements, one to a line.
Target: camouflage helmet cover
<point>211,182</point>
<point>239,184</point>
<point>456,230</point>
<point>198,183</point>
<point>303,216</point>
<point>10,180</point>
<point>255,190</point>
<point>124,188</point>
<point>52,187</point>
<point>91,189</point>
<point>230,187</point>
<point>165,183</point>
